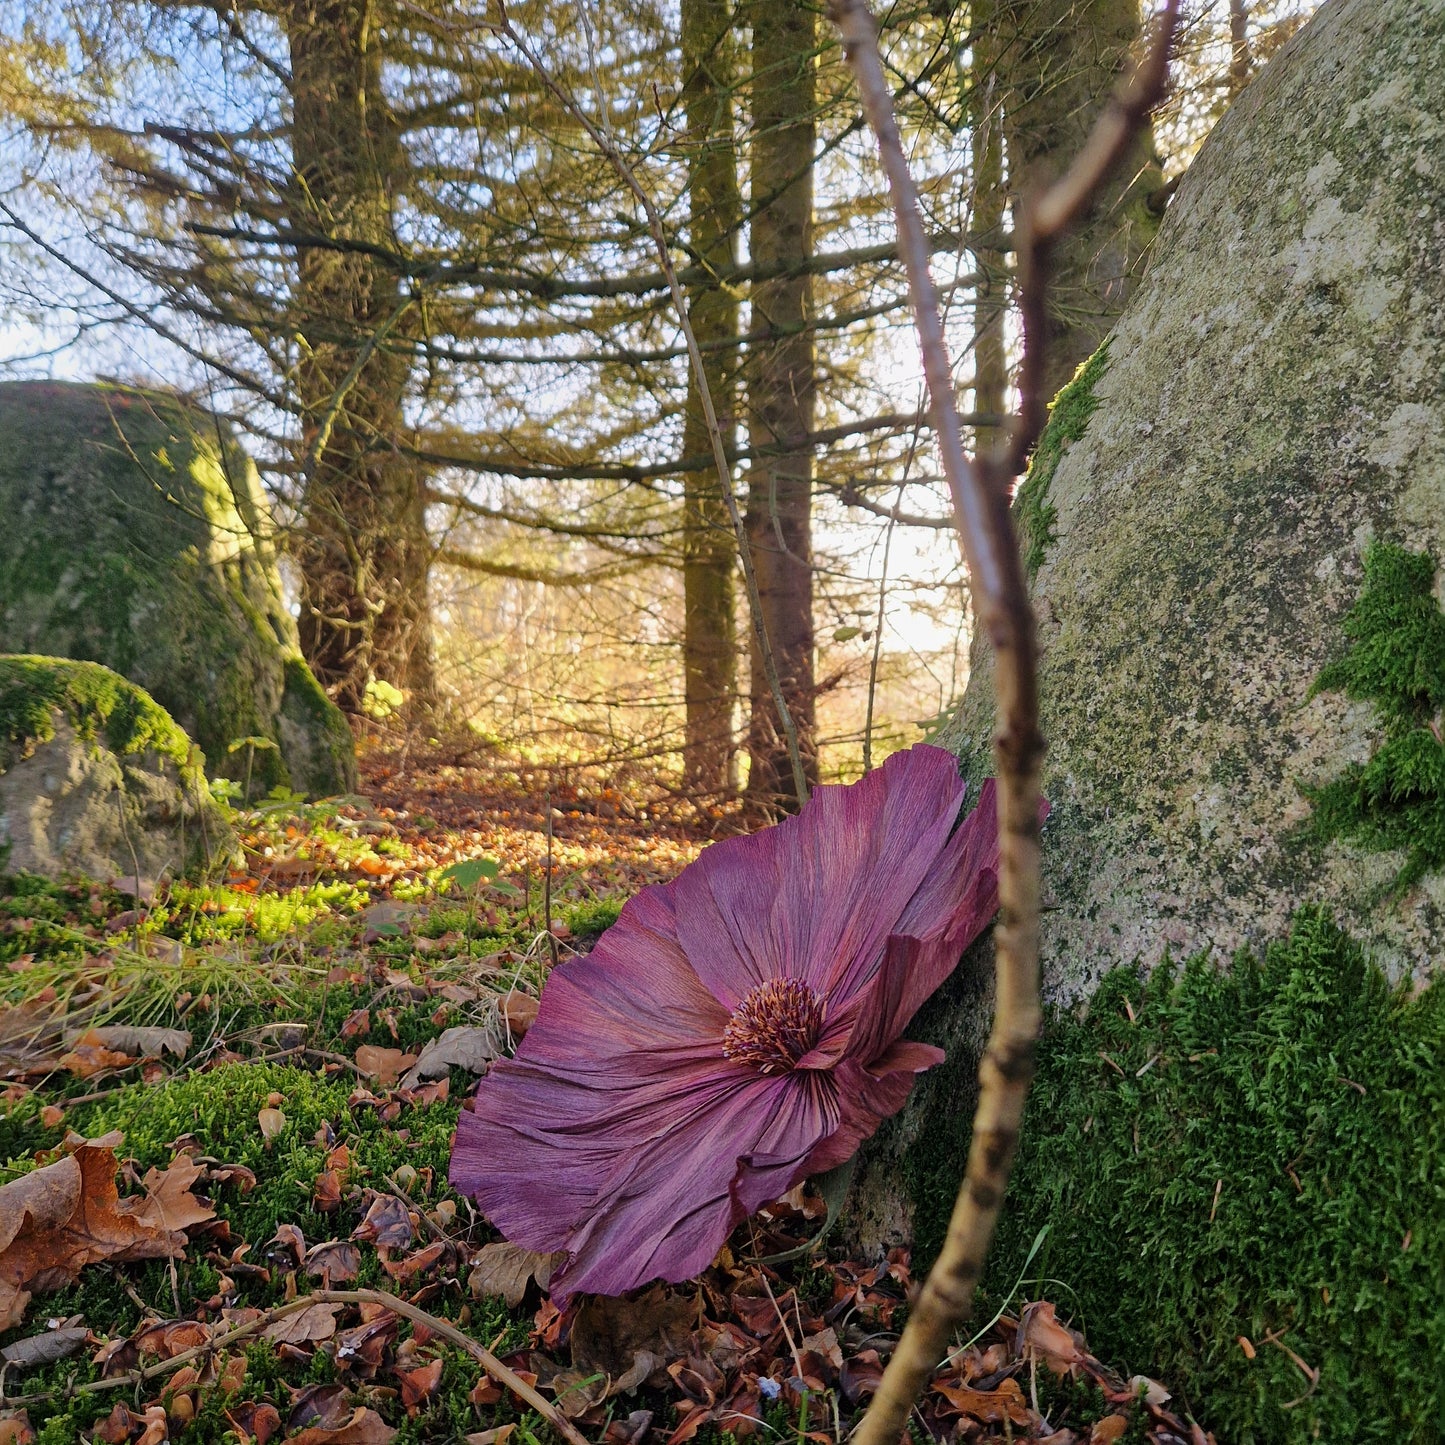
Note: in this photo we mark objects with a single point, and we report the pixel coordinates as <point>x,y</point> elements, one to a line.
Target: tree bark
<point>1056,63</point>
<point>990,205</point>
<point>709,648</point>
<point>782,389</point>
<point>363,550</point>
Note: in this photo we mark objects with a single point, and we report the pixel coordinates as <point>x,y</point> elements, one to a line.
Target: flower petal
<point>868,1097</point>
<point>652,1185</point>
<point>817,896</point>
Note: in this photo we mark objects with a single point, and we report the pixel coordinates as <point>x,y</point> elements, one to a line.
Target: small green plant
<point>1396,800</point>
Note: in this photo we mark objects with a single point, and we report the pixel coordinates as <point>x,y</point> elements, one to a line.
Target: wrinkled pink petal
<point>816,897</point>
<point>648,1188</point>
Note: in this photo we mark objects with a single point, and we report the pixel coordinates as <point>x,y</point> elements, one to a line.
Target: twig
<point>602,138</point>
<point>1001,603</point>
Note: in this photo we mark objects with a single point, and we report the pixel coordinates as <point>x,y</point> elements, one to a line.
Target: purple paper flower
<point>734,1031</point>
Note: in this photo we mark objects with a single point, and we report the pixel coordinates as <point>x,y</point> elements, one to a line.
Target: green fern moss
<point>1396,800</point>
<point>1260,1152</point>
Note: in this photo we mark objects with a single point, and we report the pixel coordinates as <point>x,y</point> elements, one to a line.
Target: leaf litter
<point>435,987</point>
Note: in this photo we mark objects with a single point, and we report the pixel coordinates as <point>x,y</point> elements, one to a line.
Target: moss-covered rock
<point>136,536</point>
<point>96,778</point>
<point>1273,402</point>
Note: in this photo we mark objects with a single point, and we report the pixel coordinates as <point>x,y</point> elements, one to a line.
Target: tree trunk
<point>363,550</point>
<point>781,390</point>
<point>709,647</point>
<point>1057,62</point>
<point>990,203</point>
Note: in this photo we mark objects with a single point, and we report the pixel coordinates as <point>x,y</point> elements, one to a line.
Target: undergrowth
<point>1258,1153</point>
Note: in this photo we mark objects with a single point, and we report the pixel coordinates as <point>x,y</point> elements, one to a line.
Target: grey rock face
<point>96,779</point>
<point>136,536</point>
<point>1274,398</point>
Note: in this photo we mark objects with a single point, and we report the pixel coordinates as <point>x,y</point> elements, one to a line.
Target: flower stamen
<point>774,1026</point>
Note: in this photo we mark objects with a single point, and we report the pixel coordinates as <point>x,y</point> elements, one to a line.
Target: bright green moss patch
<point>1396,800</point>
<point>1261,1152</point>
<point>98,703</point>
<point>1035,515</point>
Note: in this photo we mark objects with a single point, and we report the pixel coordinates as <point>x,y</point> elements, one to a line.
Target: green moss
<point>97,702</point>
<point>1396,800</point>
<point>1069,417</point>
<point>1260,1150</point>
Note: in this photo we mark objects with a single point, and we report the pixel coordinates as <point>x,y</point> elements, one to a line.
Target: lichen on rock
<point>137,536</point>
<point>97,779</point>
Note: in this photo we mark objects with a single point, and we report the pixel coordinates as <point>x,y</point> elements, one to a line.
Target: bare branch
<point>1001,602</point>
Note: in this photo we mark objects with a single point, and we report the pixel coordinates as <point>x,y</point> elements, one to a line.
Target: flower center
<point>774,1026</point>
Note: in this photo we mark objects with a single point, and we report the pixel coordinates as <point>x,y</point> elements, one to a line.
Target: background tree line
<point>371,234</point>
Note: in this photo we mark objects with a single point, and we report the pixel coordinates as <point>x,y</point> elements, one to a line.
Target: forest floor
<point>226,1112</point>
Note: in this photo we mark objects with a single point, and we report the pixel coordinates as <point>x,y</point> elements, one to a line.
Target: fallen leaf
<point>336,1260</point>
<point>419,1385</point>
<point>156,1429</point>
<point>147,1042</point>
<point>499,1436</point>
<point>44,1349</point>
<point>1047,1339</point>
<point>506,1270</point>
<point>990,1407</point>
<point>271,1123</point>
<point>15,1429</point>
<point>387,1222</point>
<point>403,1269</point>
<point>169,1203</point>
<point>305,1327</point>
<point>365,1427</point>
<point>88,1056</point>
<point>358,1021</point>
<point>464,1047</point>
<point>169,1338</point>
<point>326,1193</point>
<point>1111,1427</point>
<point>607,1333</point>
<point>59,1218</point>
<point>261,1422</point>
<point>383,1065</point>
<point>519,1010</point>
<point>1150,1391</point>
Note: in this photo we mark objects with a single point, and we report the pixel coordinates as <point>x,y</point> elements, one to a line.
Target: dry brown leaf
<point>88,1055</point>
<point>315,1322</point>
<point>15,1429</point>
<point>1047,1339</point>
<point>990,1407</point>
<point>252,1421</point>
<point>387,1222</point>
<point>419,1385</point>
<point>464,1047</point>
<point>155,1426</point>
<point>608,1333</point>
<point>499,1436</point>
<point>383,1065</point>
<point>169,1203</point>
<point>506,1269</point>
<point>149,1043</point>
<point>43,1349</point>
<point>365,1427</point>
<point>519,1010</point>
<point>1111,1427</point>
<point>336,1260</point>
<point>57,1219</point>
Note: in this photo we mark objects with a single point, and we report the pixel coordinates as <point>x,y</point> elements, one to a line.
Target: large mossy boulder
<point>97,779</point>
<point>1266,425</point>
<point>136,536</point>
<point>1235,524</point>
